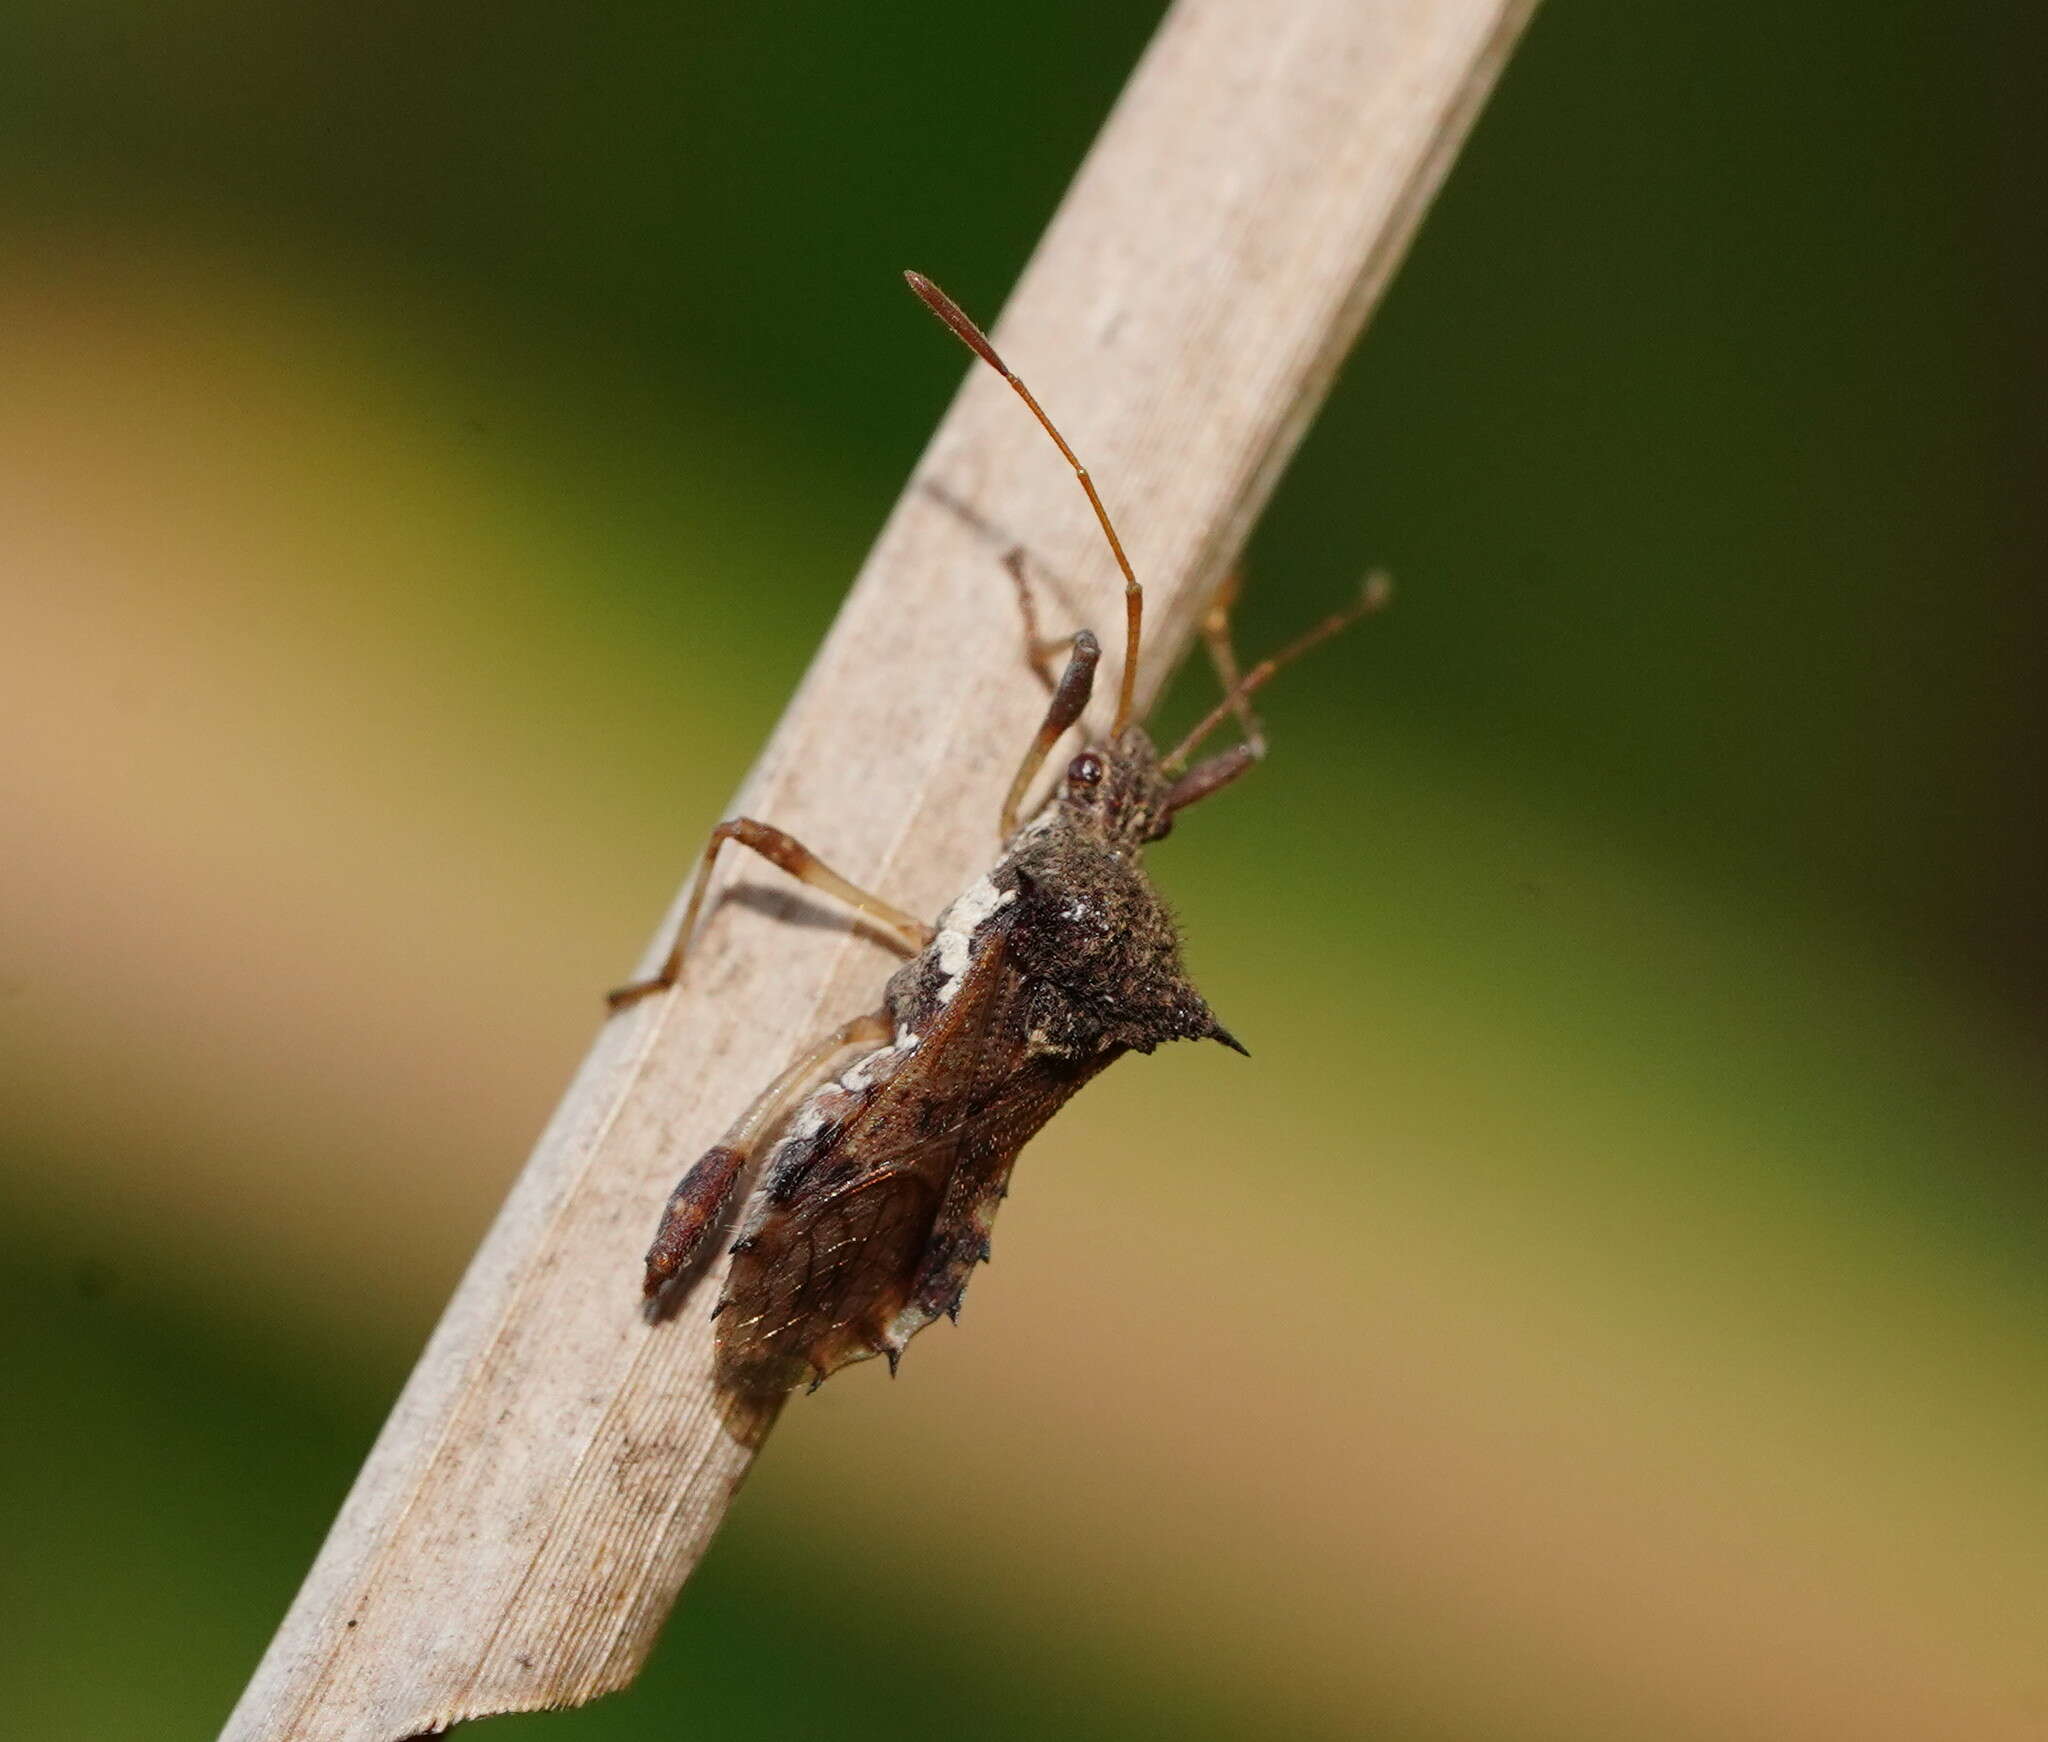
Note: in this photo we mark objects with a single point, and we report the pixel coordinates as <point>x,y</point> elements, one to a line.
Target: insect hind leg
<point>697,1208</point>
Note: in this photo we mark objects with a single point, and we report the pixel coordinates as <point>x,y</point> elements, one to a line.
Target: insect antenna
<point>976,341</point>
<point>1375,592</point>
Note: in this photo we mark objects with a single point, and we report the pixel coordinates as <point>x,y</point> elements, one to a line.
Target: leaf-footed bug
<point>882,1176</point>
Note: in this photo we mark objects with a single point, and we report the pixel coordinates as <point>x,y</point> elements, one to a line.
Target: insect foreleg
<point>1038,651</point>
<point>1223,656</point>
<point>1374,593</point>
<point>696,1208</point>
<point>802,864</point>
<point>1221,770</point>
<point>1069,701</point>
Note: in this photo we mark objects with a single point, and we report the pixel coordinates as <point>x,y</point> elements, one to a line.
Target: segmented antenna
<point>976,341</point>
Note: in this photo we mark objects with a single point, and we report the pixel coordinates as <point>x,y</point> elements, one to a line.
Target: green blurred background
<point>1608,1303</point>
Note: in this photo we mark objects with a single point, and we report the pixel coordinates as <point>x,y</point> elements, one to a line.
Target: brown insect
<point>882,1175</point>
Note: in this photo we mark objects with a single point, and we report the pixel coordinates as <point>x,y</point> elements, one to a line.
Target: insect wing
<point>981,1180</point>
<point>835,1276</point>
<point>840,1254</point>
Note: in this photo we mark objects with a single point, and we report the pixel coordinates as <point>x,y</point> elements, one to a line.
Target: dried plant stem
<point>557,1463</point>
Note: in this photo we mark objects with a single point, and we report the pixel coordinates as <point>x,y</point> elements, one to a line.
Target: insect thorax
<point>1079,922</point>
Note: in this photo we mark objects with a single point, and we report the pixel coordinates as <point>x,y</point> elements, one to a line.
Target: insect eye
<point>1085,770</point>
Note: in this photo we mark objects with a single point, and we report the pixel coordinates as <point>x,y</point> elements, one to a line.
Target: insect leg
<point>1223,656</point>
<point>1069,700</point>
<point>802,864</point>
<point>1375,592</point>
<point>1038,651</point>
<point>697,1206</point>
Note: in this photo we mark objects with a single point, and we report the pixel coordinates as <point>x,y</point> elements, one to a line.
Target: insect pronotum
<point>885,1149</point>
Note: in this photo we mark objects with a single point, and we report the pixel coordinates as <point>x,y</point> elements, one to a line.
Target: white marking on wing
<point>957,926</point>
<point>861,1074</point>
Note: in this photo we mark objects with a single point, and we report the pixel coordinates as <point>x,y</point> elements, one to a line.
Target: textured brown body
<point>875,1199</point>
<point>876,1204</point>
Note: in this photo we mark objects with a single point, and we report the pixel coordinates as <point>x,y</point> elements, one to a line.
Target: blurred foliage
<point>437,438</point>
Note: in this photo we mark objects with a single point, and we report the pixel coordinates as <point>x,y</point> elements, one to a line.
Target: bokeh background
<point>1609,1303</point>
